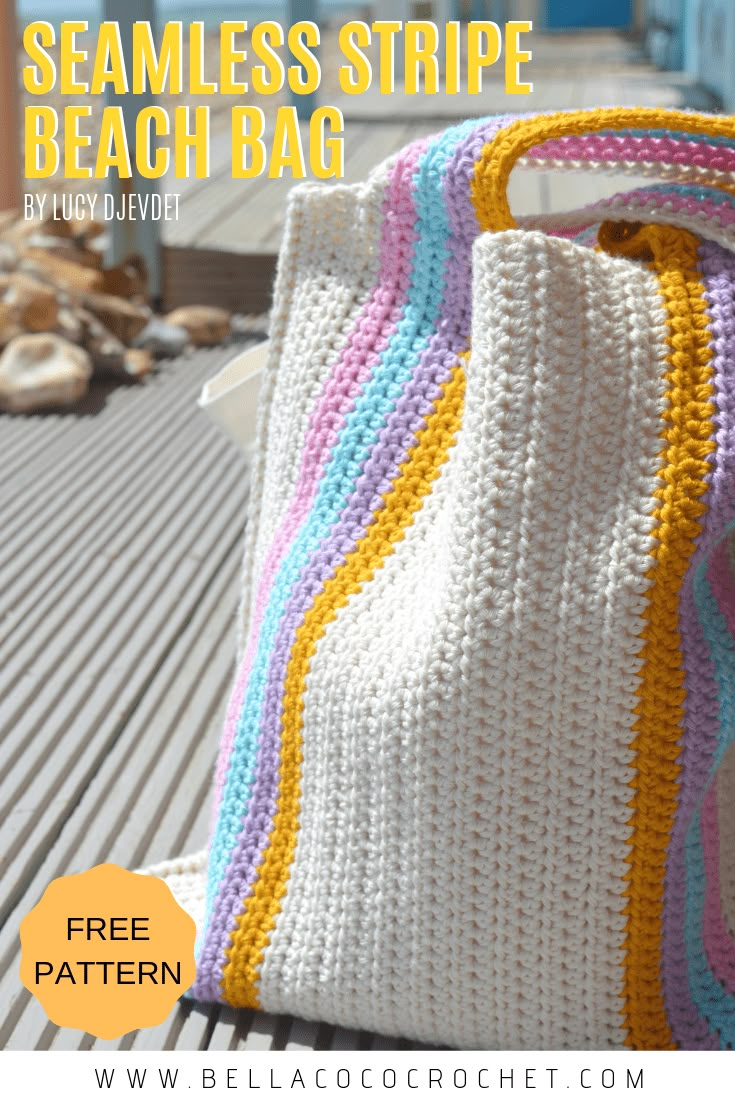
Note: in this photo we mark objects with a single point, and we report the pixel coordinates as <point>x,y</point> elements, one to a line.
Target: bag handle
<point>489,184</point>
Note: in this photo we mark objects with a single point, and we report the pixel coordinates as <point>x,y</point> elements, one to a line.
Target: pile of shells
<point>65,318</point>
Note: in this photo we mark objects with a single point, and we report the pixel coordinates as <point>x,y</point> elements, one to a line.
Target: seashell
<point>138,362</point>
<point>206,325</point>
<point>55,269</point>
<point>124,319</point>
<point>41,370</point>
<point>34,302</point>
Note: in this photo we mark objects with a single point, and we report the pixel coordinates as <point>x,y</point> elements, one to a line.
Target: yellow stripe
<point>249,941</point>
<point>684,465</point>
<point>492,170</point>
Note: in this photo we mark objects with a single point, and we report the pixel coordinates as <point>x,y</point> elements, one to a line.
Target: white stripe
<point>459,870</point>
<point>326,270</point>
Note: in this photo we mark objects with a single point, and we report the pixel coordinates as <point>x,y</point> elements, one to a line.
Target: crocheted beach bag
<point>477,780</point>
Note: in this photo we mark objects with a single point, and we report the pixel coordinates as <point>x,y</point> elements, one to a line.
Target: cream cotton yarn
<point>475,776</point>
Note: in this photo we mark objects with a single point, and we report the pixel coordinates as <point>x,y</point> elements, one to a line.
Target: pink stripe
<point>569,232</point>
<point>614,148</point>
<point>723,213</point>
<point>717,941</point>
<point>371,335</point>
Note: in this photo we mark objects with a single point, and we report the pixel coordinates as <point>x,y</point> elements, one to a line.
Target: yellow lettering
<point>74,141</point>
<point>162,71</point>
<point>198,140</point>
<point>515,56</point>
<point>304,76</point>
<point>229,57</point>
<point>385,31</point>
<point>287,151</point>
<point>247,138</point>
<point>41,127</point>
<point>109,48</point>
<point>112,151</point>
<point>483,49</point>
<point>71,57</point>
<point>354,78</point>
<point>198,86</point>
<point>451,60</point>
<point>269,77</point>
<point>156,119</point>
<point>421,41</point>
<point>320,145</point>
<point>39,78</point>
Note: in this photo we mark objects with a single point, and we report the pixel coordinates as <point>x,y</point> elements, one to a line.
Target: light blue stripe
<point>712,1000</point>
<point>363,424</point>
<point>695,191</point>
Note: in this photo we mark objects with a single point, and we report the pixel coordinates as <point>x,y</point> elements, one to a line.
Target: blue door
<point>588,13</point>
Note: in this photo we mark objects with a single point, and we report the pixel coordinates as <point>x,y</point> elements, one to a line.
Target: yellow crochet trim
<point>688,442</point>
<point>254,925</point>
<point>493,168</point>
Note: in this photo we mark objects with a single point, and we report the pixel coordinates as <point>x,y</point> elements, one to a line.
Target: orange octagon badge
<point>107,951</point>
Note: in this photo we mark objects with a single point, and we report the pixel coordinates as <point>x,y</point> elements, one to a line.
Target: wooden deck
<point>122,528</point>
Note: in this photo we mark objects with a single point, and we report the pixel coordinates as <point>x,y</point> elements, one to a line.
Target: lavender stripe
<point>377,477</point>
<point>701,718</point>
<point>399,216</point>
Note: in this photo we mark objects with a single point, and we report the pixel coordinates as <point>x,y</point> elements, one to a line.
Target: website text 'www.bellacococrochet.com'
<point>367,420</point>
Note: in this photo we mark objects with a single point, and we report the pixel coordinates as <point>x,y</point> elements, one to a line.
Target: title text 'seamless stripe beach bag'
<point>477,780</point>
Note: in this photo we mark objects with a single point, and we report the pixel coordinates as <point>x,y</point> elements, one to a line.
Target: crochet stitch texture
<point>477,779</point>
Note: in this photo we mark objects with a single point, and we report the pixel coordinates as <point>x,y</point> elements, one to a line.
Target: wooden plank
<point>197,1027</point>
<point>165,802</point>
<point>21,462</point>
<point>250,212</point>
<point>29,1034</point>
<point>302,1036</point>
<point>381,1043</point>
<point>219,163</point>
<point>225,1028</point>
<point>163,1037</point>
<point>238,281</point>
<point>345,1040</point>
<point>10,128</point>
<point>261,1033</point>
